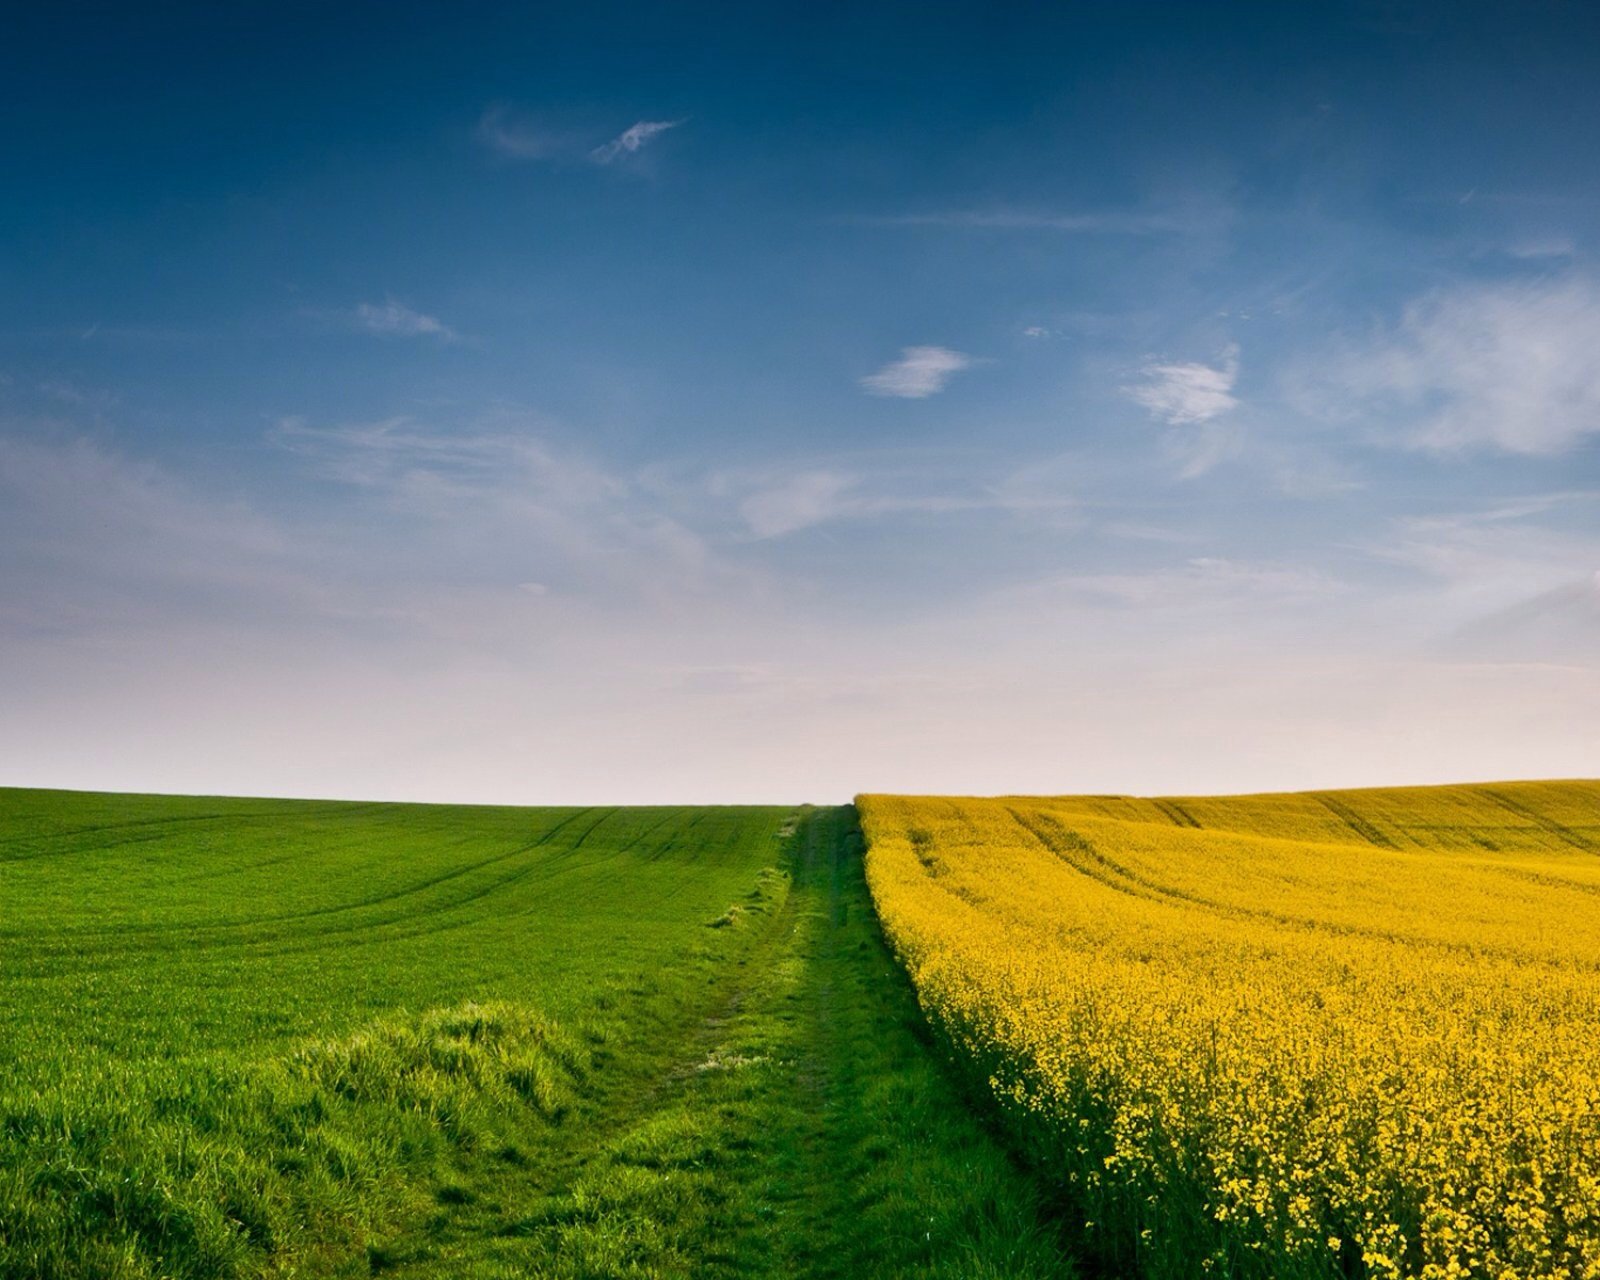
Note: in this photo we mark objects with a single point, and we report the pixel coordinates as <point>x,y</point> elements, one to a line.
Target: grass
<point>245,1037</point>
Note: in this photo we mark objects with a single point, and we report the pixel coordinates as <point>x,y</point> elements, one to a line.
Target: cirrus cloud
<point>1505,366</point>
<point>1179,394</point>
<point>631,140</point>
<point>920,372</point>
<point>518,138</point>
<point>391,319</point>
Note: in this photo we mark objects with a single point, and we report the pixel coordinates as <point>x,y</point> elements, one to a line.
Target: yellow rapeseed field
<point>1325,1034</point>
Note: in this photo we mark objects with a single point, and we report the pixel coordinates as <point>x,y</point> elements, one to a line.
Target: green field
<point>250,1037</point>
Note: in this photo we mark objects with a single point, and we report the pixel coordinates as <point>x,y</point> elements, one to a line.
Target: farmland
<point>1312,1035</point>
<point>246,1037</point>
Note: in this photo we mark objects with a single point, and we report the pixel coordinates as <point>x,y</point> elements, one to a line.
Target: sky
<point>602,403</point>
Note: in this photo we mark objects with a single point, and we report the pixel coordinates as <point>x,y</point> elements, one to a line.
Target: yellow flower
<point>1246,1032</point>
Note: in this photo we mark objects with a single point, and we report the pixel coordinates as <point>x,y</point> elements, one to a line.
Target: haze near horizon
<point>544,405</point>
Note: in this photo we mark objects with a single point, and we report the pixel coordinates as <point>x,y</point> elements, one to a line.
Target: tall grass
<point>203,1172</point>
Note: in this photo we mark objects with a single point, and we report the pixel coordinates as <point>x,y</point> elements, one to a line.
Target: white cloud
<point>101,546</point>
<point>469,477</point>
<point>631,140</point>
<point>1504,580</point>
<point>1483,561</point>
<point>1179,394</point>
<point>1200,581</point>
<point>1036,331</point>
<point>1113,223</point>
<point>438,630</point>
<point>1554,245</point>
<point>873,487</point>
<point>1509,367</point>
<point>920,372</point>
<point>495,491</point>
<point>809,498</point>
<point>391,319</point>
<point>105,547</point>
<point>517,139</point>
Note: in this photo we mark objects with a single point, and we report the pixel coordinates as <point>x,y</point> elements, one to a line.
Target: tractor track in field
<point>1560,831</point>
<point>1363,827</point>
<point>200,929</point>
<point>1080,854</point>
<point>622,1099</point>
<point>760,1132</point>
<point>357,932</point>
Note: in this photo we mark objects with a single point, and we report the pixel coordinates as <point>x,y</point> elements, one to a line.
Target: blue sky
<point>582,403</point>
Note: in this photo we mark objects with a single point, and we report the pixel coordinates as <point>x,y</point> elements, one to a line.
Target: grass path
<point>318,1039</point>
<point>791,1122</point>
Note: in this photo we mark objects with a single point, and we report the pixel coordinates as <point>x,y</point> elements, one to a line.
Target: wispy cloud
<point>495,490</point>
<point>920,372</point>
<point>1559,625</point>
<point>79,397</point>
<point>409,461</point>
<point>798,502</point>
<point>631,140</point>
<point>875,487</point>
<point>502,583</point>
<point>1202,580</point>
<point>103,545</point>
<point>1188,393</point>
<point>1508,367</point>
<point>1112,223</point>
<point>518,138</point>
<point>1496,555</point>
<point>1551,245</point>
<point>391,319</point>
